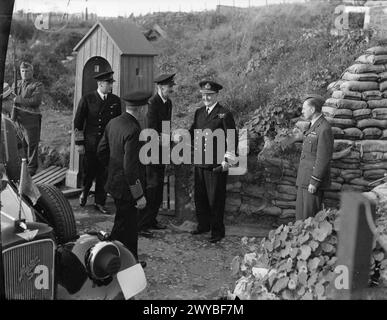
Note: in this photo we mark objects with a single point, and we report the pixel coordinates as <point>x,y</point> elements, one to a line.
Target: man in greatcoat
<point>314,169</point>
<point>211,170</point>
<point>119,150</point>
<point>95,110</point>
<point>159,110</point>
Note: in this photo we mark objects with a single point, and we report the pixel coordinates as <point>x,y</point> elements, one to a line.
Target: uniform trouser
<point>210,198</point>
<point>125,225</point>
<point>30,125</point>
<point>93,169</point>
<point>154,195</point>
<point>308,204</point>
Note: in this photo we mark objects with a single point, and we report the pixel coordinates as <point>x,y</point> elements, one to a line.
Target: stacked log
<point>357,111</point>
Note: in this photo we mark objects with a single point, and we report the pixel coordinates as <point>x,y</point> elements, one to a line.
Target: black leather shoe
<point>197,231</point>
<point>145,233</point>
<point>101,208</point>
<point>82,200</point>
<point>158,226</point>
<point>215,239</point>
<point>143,263</point>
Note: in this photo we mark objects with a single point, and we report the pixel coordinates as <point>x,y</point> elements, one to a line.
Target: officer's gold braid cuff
<point>79,138</point>
<point>136,190</point>
<point>317,179</point>
<point>231,158</point>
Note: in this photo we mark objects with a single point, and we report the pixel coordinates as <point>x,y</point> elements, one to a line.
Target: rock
<point>272,211</point>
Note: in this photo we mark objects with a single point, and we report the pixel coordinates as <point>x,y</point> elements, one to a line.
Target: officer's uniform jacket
<point>29,96</point>
<point>317,149</point>
<point>92,116</point>
<point>119,150</point>
<point>158,111</point>
<point>219,118</point>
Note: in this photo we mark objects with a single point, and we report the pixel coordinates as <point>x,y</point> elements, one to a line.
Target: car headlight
<point>103,260</point>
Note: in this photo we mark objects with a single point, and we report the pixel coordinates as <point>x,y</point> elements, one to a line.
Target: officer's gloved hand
<point>141,203</point>
<point>225,166</point>
<point>80,149</point>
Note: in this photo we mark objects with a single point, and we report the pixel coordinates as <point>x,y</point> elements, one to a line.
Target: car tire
<point>56,209</point>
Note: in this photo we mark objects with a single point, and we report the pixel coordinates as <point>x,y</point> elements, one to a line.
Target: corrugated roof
<point>125,35</point>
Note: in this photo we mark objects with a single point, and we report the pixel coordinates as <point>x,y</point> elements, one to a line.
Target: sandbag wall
<point>357,111</point>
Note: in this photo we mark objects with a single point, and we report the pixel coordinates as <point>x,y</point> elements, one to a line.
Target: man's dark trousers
<point>125,225</point>
<point>210,196</point>
<point>154,195</point>
<point>308,204</point>
<point>93,169</point>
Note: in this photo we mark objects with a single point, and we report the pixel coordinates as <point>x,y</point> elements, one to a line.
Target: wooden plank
<point>53,176</point>
<point>47,174</point>
<point>59,179</point>
<point>72,192</point>
<point>42,172</point>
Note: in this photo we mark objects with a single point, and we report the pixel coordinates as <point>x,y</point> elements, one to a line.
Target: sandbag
<point>350,95</point>
<point>362,114</point>
<point>337,113</point>
<point>332,195</point>
<point>359,86</point>
<point>373,104</point>
<point>372,133</point>
<point>347,173</point>
<point>335,172</point>
<point>341,123</point>
<point>335,85</point>
<point>372,59</point>
<point>384,135</point>
<point>360,182</point>
<point>338,133</point>
<point>353,134</point>
<point>352,187</point>
<point>371,146</point>
<point>372,156</point>
<point>374,174</point>
<point>345,104</point>
<point>378,50</point>
<point>346,166</point>
<point>372,95</point>
<point>360,76</point>
<point>341,144</point>
<point>350,161</point>
<point>370,123</point>
<point>383,86</point>
<point>384,94</point>
<point>379,113</point>
<point>366,68</point>
<point>374,166</point>
<point>287,189</point>
<point>353,155</point>
<point>383,76</point>
<point>335,186</point>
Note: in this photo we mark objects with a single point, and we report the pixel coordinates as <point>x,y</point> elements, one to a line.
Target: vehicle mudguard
<point>72,278</point>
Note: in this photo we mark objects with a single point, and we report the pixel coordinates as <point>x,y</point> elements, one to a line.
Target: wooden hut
<point>110,45</point>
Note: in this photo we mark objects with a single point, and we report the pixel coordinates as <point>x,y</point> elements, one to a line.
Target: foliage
<point>295,261</point>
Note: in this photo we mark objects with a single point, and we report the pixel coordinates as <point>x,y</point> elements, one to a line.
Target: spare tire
<point>55,208</point>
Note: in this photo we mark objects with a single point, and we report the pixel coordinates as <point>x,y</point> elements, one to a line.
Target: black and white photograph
<point>189,157</point>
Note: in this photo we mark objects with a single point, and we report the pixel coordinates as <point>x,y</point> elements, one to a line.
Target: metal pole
<point>6,9</point>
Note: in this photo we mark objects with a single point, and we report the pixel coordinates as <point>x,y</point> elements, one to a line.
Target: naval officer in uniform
<point>211,178</point>
<point>95,110</point>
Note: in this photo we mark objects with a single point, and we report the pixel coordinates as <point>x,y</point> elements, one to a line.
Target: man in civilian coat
<point>119,150</point>
<point>159,110</point>
<point>95,110</point>
<point>211,176</point>
<point>314,169</point>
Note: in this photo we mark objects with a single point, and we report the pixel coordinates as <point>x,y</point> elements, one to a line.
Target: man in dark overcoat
<point>314,169</point>
<point>159,110</point>
<point>95,110</point>
<point>119,150</point>
<point>211,163</point>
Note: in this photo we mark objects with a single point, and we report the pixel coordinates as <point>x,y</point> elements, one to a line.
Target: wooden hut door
<point>92,67</point>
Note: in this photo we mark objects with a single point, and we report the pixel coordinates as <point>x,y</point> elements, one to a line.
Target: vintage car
<point>43,255</point>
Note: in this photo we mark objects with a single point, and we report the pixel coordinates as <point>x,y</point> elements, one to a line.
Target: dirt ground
<point>179,265</point>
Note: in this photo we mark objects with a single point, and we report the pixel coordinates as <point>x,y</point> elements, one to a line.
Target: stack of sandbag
<point>357,111</point>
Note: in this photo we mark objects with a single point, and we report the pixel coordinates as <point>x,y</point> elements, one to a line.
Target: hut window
<point>96,68</point>
<point>137,71</point>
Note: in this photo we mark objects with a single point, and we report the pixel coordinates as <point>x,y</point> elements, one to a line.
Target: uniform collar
<point>101,94</point>
<point>312,122</point>
<point>210,108</point>
<point>161,96</point>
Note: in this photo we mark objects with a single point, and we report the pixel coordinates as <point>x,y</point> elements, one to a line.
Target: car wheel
<point>56,209</point>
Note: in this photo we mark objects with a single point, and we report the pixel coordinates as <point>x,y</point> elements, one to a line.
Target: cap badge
<point>207,86</point>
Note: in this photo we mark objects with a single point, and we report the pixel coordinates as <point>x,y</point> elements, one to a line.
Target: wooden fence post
<point>354,247</point>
